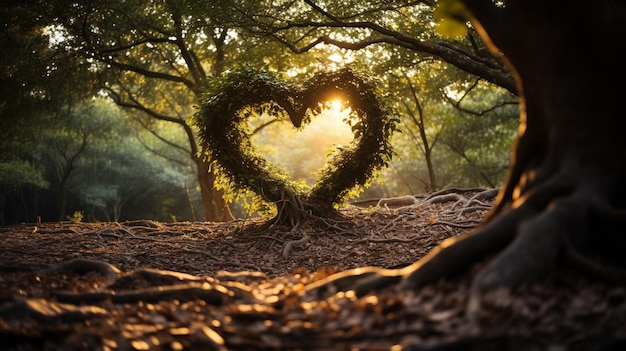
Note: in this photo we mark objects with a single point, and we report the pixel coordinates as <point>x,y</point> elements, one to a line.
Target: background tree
<point>68,139</point>
<point>431,97</point>
<point>36,82</point>
<point>479,127</point>
<point>120,181</point>
<point>118,171</point>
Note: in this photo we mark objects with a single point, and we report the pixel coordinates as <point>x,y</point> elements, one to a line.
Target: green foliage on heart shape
<point>242,92</point>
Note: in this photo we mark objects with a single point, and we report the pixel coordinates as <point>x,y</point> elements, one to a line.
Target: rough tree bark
<point>565,181</point>
<point>564,200</point>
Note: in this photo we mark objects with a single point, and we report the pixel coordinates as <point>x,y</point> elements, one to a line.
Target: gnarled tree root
<point>452,256</point>
<point>551,226</point>
<point>84,266</point>
<point>212,294</point>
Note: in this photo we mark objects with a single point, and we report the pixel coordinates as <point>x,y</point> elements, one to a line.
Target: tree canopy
<point>157,65</point>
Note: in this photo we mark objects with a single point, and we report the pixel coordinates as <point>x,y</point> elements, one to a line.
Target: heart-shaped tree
<point>242,92</point>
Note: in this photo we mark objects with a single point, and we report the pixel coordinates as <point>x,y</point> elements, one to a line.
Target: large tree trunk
<point>565,184</point>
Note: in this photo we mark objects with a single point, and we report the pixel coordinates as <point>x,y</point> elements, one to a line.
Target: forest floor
<point>243,285</point>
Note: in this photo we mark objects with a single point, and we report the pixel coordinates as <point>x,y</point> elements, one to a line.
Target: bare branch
<point>151,74</point>
<point>156,152</point>
<point>471,64</point>
<point>264,125</point>
<point>135,104</point>
<point>195,68</point>
<point>322,11</point>
<point>457,103</point>
<point>479,65</point>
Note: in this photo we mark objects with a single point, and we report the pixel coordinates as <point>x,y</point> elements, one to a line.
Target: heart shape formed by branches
<point>242,92</point>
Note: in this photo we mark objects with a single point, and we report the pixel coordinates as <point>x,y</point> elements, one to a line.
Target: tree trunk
<point>62,201</point>
<point>569,105</point>
<point>215,207</point>
<point>568,169</point>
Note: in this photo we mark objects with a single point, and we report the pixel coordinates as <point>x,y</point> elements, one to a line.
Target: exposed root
<point>531,255</point>
<point>152,277</point>
<point>295,243</point>
<point>485,195</point>
<point>453,190</point>
<point>395,202</point>
<point>294,212</point>
<point>445,260</point>
<point>464,205</point>
<point>465,210</point>
<point>548,226</point>
<point>212,294</point>
<point>472,224</point>
<point>451,257</point>
<point>443,198</point>
<point>455,255</point>
<point>146,285</point>
<point>361,280</point>
<point>49,311</point>
<point>84,266</point>
<point>535,248</point>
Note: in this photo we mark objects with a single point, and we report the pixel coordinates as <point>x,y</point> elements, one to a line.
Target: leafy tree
<point>437,105</point>
<point>121,179</point>
<point>68,140</point>
<point>36,81</point>
<point>479,130</point>
<point>154,63</point>
<point>34,76</point>
<point>419,102</point>
<point>401,27</point>
<point>98,163</point>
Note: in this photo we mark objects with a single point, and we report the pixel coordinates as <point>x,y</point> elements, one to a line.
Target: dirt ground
<point>245,285</point>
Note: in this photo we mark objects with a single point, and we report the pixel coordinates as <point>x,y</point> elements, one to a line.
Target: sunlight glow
<point>336,58</point>
<point>303,152</point>
<point>336,105</point>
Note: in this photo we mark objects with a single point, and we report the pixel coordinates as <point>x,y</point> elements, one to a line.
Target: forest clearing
<point>158,131</point>
<point>229,286</point>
